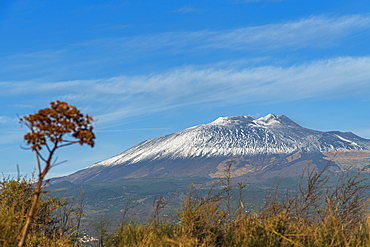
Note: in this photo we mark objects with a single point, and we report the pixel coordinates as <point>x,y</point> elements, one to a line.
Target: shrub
<point>54,222</point>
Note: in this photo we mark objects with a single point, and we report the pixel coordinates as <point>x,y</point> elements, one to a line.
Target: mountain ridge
<point>199,150</point>
<point>242,135</point>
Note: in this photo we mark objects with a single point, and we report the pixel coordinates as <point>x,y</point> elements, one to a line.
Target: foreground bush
<point>55,218</point>
<point>312,214</point>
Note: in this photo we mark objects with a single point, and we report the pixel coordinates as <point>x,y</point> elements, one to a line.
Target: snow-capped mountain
<point>241,137</point>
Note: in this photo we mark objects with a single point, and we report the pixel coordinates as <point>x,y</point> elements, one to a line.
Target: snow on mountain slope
<point>242,135</point>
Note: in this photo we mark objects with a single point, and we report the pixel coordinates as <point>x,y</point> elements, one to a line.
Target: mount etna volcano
<point>260,148</point>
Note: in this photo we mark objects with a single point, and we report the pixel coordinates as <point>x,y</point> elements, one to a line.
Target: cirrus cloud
<point>124,96</point>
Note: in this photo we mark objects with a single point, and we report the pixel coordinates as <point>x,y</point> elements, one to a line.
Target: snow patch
<point>344,139</point>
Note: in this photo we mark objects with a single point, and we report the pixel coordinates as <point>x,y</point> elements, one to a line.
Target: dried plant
<point>159,203</point>
<point>101,227</point>
<point>51,128</point>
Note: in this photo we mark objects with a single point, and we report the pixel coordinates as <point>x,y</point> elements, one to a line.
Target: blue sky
<point>145,69</point>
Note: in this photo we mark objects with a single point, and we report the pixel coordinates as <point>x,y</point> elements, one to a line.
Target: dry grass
<point>55,218</point>
<point>311,214</point>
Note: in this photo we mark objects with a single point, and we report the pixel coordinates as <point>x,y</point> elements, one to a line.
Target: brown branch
<point>50,125</point>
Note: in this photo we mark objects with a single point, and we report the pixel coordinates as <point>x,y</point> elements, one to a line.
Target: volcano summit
<point>269,146</point>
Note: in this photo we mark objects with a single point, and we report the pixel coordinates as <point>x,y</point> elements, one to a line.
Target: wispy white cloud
<point>6,138</point>
<point>23,106</point>
<point>115,98</point>
<point>43,62</point>
<point>5,119</point>
<point>111,6</point>
<point>76,60</point>
<point>102,28</point>
<point>125,130</point>
<point>185,9</point>
<point>313,31</point>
